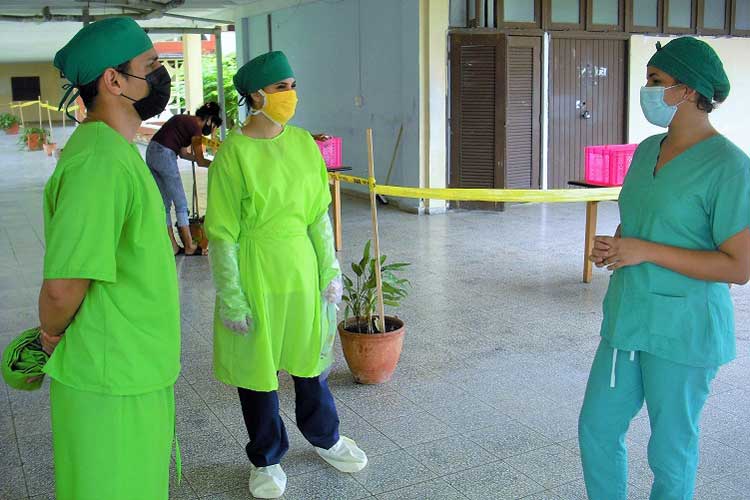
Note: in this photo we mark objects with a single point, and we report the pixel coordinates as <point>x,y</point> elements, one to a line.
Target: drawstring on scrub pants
<point>614,364</point>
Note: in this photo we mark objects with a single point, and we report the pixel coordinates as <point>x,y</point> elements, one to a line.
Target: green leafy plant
<point>210,86</point>
<point>360,291</point>
<point>27,131</point>
<point>7,120</point>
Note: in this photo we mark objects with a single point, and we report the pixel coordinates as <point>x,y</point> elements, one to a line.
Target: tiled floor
<point>484,404</point>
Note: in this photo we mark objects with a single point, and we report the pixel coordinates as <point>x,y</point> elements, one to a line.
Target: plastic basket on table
<point>331,151</point>
<point>608,165</point>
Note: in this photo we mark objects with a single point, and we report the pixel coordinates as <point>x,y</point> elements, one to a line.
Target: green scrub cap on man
<point>262,71</point>
<point>23,360</point>
<point>695,64</point>
<point>98,46</point>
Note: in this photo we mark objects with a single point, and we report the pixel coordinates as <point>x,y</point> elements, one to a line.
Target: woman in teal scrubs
<point>668,317</point>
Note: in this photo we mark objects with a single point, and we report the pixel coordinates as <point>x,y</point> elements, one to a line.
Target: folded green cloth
<point>24,359</point>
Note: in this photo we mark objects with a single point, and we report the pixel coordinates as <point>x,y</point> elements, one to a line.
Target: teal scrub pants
<point>674,395</point>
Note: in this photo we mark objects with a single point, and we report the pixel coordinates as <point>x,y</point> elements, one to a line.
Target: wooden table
<point>338,237</point>
<point>592,208</point>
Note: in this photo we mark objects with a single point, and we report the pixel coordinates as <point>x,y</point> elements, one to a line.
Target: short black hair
<point>210,109</point>
<point>89,91</point>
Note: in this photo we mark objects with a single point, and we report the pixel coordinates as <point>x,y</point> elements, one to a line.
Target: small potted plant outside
<point>9,123</point>
<point>33,138</point>
<point>371,349</point>
<point>49,146</point>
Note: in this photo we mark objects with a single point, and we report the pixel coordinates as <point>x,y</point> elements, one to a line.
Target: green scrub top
<point>696,201</point>
<point>264,193</point>
<point>104,221</point>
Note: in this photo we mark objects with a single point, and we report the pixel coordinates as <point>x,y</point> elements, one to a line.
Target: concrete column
<point>434,18</point>
<point>191,50</point>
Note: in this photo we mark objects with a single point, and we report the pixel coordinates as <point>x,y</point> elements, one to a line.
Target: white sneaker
<point>345,455</point>
<point>267,482</point>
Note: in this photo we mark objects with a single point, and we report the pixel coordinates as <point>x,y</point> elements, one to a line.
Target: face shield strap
<point>67,100</point>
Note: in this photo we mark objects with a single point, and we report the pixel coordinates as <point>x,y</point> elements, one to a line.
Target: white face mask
<point>656,110</point>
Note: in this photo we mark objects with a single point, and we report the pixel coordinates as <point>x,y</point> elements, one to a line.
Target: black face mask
<point>159,85</point>
<point>207,129</point>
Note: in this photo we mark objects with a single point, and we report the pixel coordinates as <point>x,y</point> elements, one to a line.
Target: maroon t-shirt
<point>178,132</point>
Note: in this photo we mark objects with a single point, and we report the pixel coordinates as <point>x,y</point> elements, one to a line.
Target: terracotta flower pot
<point>34,142</point>
<point>49,148</point>
<point>13,130</point>
<point>372,357</point>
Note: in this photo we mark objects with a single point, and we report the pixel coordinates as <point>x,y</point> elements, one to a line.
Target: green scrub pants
<point>674,395</point>
<point>113,447</point>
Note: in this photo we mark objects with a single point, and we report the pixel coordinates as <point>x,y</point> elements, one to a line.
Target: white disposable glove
<point>334,291</point>
<point>233,308</point>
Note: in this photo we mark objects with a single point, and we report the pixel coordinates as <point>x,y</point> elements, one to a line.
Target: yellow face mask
<point>278,107</point>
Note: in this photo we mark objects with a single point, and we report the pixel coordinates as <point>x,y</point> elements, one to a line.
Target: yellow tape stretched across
<point>24,105</point>
<point>488,195</point>
<point>41,104</point>
<point>54,108</point>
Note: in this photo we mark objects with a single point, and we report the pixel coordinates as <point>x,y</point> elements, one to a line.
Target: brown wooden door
<point>522,113</point>
<point>588,80</point>
<point>477,110</point>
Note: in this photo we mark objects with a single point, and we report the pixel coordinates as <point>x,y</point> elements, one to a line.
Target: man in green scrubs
<point>668,315</point>
<point>109,304</point>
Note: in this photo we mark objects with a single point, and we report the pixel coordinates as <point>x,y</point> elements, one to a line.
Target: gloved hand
<point>334,291</point>
<point>233,308</point>
<point>321,236</point>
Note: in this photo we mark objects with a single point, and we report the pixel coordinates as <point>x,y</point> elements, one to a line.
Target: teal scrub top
<point>696,201</point>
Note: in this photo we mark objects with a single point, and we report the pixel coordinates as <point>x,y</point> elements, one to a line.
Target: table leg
<point>336,202</point>
<point>591,210</point>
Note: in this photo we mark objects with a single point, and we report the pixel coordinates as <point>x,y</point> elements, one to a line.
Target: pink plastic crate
<point>331,151</point>
<point>608,165</point>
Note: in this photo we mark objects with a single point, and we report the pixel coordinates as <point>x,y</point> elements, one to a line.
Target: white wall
<point>340,51</point>
<point>731,118</point>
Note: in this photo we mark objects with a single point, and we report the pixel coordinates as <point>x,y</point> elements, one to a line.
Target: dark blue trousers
<point>316,415</point>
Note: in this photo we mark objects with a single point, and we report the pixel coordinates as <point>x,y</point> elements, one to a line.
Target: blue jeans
<point>162,162</point>
<point>316,414</point>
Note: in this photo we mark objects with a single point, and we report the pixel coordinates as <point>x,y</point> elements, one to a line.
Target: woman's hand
<point>618,252</point>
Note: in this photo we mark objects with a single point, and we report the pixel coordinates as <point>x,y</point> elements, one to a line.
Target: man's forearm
<point>59,301</point>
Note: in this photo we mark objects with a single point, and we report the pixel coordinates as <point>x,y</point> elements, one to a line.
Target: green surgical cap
<point>98,46</point>
<point>695,64</point>
<point>24,359</point>
<point>262,71</point>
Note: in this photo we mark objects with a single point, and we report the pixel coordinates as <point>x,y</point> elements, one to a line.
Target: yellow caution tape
<point>25,104</point>
<point>489,195</point>
<point>54,108</point>
<point>41,104</point>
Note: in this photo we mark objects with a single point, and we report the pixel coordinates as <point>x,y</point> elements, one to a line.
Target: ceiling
<point>38,41</point>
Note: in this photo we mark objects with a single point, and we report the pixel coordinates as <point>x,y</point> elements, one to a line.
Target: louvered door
<point>477,111</point>
<point>522,116</point>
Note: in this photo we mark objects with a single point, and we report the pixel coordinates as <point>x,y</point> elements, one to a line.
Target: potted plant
<point>9,123</point>
<point>49,146</point>
<point>372,354</point>
<point>33,138</point>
